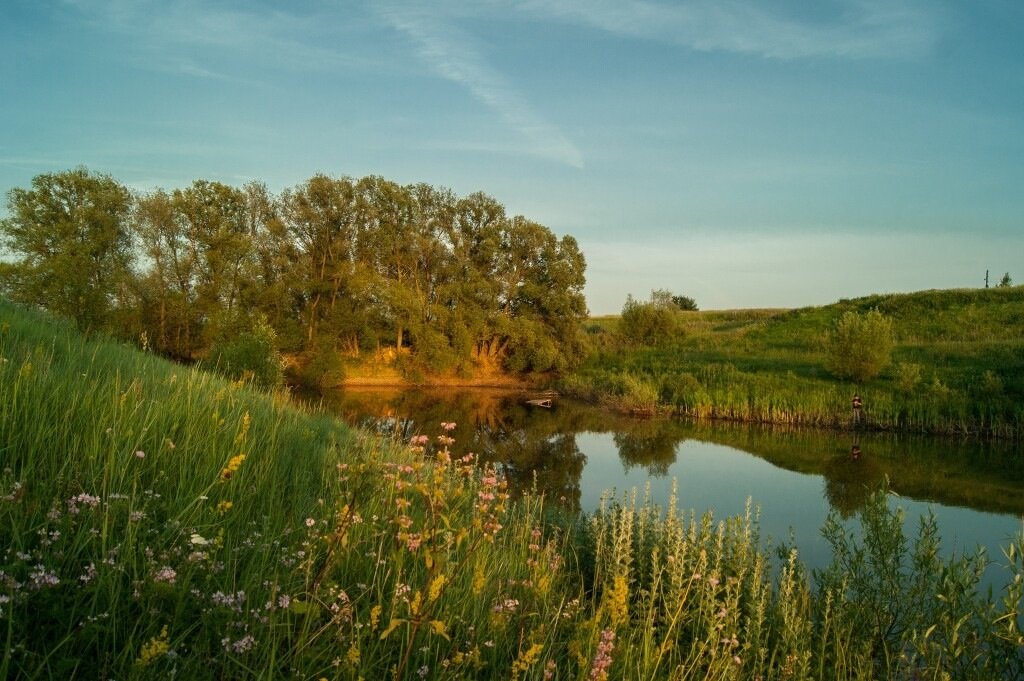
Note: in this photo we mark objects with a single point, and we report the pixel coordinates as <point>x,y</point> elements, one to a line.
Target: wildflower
<point>234,463</point>
<point>165,574</point>
<point>41,578</point>
<point>224,506</point>
<point>526,659</point>
<point>136,516</point>
<point>310,522</point>
<point>139,454</point>
<point>617,601</point>
<point>242,645</point>
<point>89,574</point>
<point>84,500</point>
<point>284,600</point>
<point>549,670</point>
<point>447,427</point>
<point>603,657</point>
<point>154,648</point>
<point>198,540</point>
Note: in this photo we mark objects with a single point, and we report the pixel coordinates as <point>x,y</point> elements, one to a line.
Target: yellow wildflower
<point>244,430</point>
<point>154,648</point>
<point>526,659</point>
<point>617,601</point>
<point>224,506</point>
<point>234,463</point>
<point>374,617</point>
<point>435,588</point>
<point>479,578</point>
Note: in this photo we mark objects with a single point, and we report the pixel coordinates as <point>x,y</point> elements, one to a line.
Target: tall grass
<point>958,366</point>
<point>159,522</point>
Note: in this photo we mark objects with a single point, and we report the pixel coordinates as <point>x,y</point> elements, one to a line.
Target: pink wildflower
<point>603,658</point>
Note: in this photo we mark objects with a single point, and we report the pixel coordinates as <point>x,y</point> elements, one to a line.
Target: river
<point>576,454</point>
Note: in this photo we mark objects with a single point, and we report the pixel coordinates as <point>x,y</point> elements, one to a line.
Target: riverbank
<point>160,521</point>
<point>957,366</point>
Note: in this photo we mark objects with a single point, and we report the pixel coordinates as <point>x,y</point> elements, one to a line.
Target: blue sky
<point>748,154</point>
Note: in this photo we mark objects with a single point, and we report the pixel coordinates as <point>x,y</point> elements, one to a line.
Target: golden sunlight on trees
<point>72,232</point>
<point>333,267</point>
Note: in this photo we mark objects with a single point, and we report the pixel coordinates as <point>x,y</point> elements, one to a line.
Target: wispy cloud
<point>452,54</point>
<point>857,28</point>
<point>211,30</point>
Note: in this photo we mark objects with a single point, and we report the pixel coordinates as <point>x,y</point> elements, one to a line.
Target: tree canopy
<point>333,266</point>
<point>73,234</point>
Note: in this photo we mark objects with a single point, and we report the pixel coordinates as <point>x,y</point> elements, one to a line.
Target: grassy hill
<point>958,365</point>
<point>159,522</point>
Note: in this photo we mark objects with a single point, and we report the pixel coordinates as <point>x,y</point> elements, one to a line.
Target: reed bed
<point>158,522</point>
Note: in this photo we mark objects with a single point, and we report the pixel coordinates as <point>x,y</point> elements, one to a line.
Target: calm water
<point>576,454</point>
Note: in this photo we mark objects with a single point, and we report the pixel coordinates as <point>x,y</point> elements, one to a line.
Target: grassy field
<point>159,522</point>
<point>958,365</point>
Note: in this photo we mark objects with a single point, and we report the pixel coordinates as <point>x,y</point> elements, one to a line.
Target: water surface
<point>576,454</point>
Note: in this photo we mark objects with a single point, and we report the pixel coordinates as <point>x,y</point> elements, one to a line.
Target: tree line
<point>332,267</point>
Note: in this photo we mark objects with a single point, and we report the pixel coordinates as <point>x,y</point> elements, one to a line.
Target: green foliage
<point>908,377</point>
<point>911,611</point>
<point>767,365</point>
<point>71,233</point>
<point>354,264</point>
<point>859,346</point>
<point>247,350</point>
<point>649,323</point>
<point>1005,282</point>
<point>685,303</point>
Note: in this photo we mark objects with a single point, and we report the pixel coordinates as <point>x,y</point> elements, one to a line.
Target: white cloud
<point>862,29</point>
<point>452,55</point>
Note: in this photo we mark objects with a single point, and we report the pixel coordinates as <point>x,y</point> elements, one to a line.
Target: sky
<point>743,153</point>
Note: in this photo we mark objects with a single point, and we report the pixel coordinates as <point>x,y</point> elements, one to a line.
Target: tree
<point>665,298</point>
<point>71,230</point>
<point>1005,282</point>
<point>859,346</point>
<point>685,303</point>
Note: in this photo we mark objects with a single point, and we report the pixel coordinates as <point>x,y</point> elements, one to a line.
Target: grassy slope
<point>767,365</point>
<point>137,543</point>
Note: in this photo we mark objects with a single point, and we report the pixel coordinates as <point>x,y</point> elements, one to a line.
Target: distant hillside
<point>957,365</point>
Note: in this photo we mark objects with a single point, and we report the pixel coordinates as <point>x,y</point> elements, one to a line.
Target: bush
<point>249,353</point>
<point>646,323</point>
<point>859,346</point>
<point>908,377</point>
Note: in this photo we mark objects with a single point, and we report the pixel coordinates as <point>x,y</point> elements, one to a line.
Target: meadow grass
<point>958,366</point>
<point>157,521</point>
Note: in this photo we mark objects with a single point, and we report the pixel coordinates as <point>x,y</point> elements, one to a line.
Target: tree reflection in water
<point>537,448</point>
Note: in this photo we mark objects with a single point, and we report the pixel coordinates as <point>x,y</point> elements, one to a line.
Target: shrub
<point>646,323</point>
<point>908,377</point>
<point>860,345</point>
<point>249,353</point>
